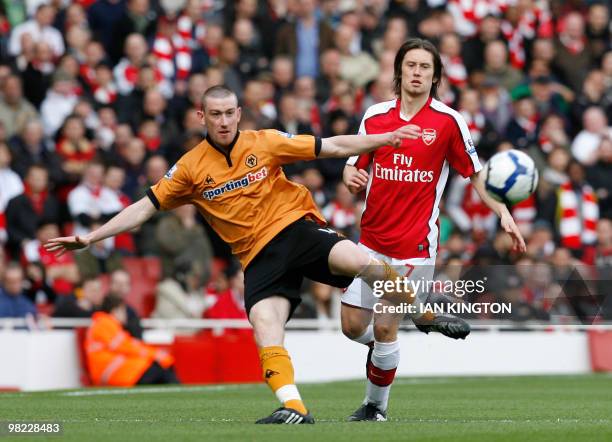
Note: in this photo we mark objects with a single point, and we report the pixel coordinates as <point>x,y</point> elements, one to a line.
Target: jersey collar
<point>226,152</point>
<point>403,117</point>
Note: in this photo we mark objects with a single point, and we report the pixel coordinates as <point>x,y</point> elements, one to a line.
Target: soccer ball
<point>510,176</point>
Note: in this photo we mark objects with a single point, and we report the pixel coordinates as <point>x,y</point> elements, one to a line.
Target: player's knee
<point>385,332</point>
<point>352,330</point>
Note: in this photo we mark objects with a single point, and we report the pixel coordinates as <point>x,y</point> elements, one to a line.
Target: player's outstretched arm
<point>129,218</point>
<point>343,146</point>
<point>507,222</point>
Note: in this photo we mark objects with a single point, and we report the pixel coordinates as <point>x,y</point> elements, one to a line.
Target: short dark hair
<point>218,91</point>
<point>111,302</point>
<point>409,45</point>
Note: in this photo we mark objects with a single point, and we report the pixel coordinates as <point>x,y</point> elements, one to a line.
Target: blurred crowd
<point>99,98</point>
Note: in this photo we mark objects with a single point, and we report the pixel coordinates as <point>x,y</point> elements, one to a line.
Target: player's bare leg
<point>357,324</point>
<point>383,357</point>
<point>268,318</point>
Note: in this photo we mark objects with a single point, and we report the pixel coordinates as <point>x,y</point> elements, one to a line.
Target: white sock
<point>385,359</point>
<point>367,336</point>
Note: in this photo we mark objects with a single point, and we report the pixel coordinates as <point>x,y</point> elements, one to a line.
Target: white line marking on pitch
<point>155,390</point>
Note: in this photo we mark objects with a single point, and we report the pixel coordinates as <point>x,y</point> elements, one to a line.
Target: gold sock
<point>278,374</point>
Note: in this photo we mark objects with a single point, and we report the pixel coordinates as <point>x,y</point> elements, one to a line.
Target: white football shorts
<point>359,294</point>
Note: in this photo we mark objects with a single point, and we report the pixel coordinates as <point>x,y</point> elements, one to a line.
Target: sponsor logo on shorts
<point>232,185</point>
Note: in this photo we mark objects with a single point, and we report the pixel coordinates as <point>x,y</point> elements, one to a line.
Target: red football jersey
<point>406,183</point>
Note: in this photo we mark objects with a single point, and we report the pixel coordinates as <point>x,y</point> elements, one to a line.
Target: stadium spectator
<point>181,103</point>
<point>36,72</point>
<point>91,201</point>
<point>573,211</point>
<point>305,39</point>
<point>454,67</point>
<point>59,102</point>
<point>598,29</point>
<point>288,116</point>
<point>489,29</point>
<point>115,358</point>
<point>600,177</point>
<point>85,300</point>
<point>127,70</point>
<point>340,212</point>
<point>313,180</point>
<point>521,131</point>
<point>132,158</point>
<point>555,172</point>
<point>585,146</point>
<point>13,301</point>
<point>39,28</point>
<point>396,32</point>
<point>496,104</point>
<point>252,59</point>
<point>121,286</point>
<point>15,110</point>
<point>155,109</point>
<point>114,179</point>
<point>181,238</point>
<point>137,18</point>
<point>26,212</point>
<point>227,62</point>
<point>573,55</point>
<point>229,303</point>
<point>359,67</point>
<point>10,187</point>
<point>595,92</point>
<point>28,149</point>
<point>546,99</point>
<point>181,295</point>
<point>496,65</point>
<point>283,74</point>
<point>59,274</point>
<point>481,130</point>
<point>102,16</point>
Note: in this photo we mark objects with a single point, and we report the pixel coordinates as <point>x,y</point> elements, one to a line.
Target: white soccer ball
<point>510,176</point>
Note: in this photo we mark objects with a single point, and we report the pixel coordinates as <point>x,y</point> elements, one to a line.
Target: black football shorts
<point>300,250</point>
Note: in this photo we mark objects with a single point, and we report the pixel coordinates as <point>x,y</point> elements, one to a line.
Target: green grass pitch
<point>537,408</point>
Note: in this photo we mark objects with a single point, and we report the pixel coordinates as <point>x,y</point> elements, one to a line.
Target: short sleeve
<point>461,153</point>
<point>174,189</point>
<point>288,148</point>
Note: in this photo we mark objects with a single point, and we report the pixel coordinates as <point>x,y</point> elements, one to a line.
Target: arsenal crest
<point>251,161</point>
<point>429,136</point>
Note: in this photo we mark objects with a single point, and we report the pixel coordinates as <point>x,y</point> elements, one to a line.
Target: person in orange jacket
<point>116,358</point>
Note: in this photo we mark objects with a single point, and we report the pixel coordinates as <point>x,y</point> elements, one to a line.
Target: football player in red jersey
<point>399,222</point>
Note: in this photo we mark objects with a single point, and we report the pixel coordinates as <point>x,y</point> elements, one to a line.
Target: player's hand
<point>510,227</point>
<point>409,131</point>
<point>356,180</point>
<point>63,244</point>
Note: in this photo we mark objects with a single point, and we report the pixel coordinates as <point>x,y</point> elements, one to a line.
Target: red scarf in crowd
<point>577,215</point>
